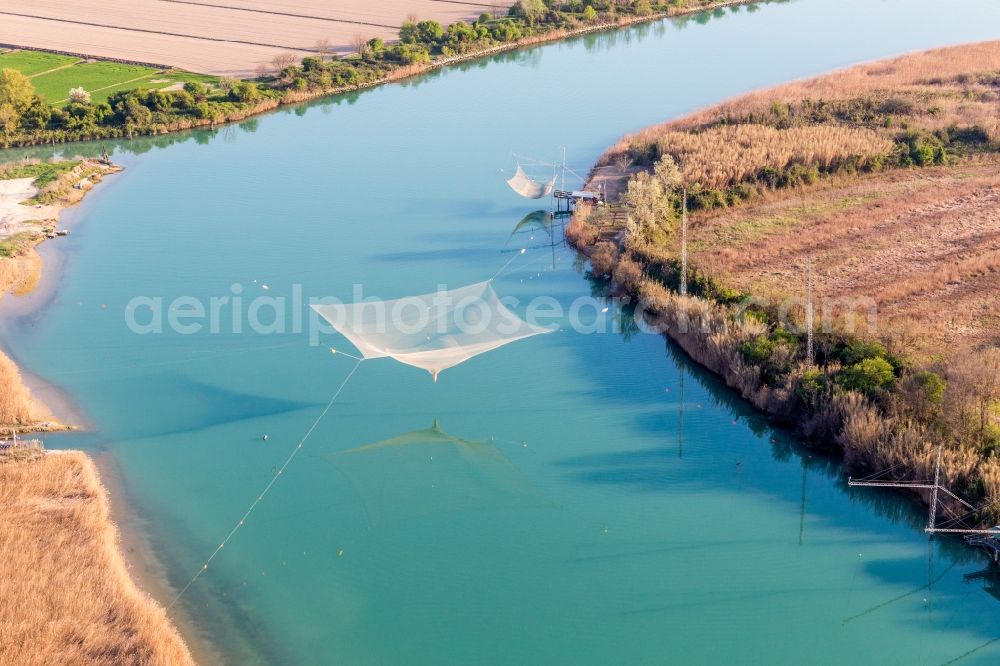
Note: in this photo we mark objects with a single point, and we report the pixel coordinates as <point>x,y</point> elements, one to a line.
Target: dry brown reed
<point>628,273</point>
<point>19,275</point>
<point>603,258</point>
<point>934,90</point>
<point>18,408</point>
<point>723,156</point>
<point>66,596</point>
<point>928,71</point>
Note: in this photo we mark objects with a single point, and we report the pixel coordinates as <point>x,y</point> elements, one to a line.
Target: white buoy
<point>265,438</point>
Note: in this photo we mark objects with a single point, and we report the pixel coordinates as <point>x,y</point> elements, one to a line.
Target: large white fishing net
<point>433,331</point>
<point>524,185</point>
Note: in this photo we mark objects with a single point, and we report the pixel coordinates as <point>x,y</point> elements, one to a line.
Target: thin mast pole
<point>809,317</point>
<point>563,186</point>
<point>684,245</point>
<point>932,518</point>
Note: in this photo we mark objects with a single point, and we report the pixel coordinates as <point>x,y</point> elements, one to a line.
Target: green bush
<point>812,388</point>
<point>856,351</point>
<point>245,91</point>
<point>408,54</point>
<point>528,10</point>
<point>868,377</point>
<point>757,351</point>
<point>772,353</point>
<point>923,393</point>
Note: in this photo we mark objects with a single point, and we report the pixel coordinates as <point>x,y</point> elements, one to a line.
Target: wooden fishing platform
<point>988,542</point>
<point>987,539</point>
<point>566,200</point>
<point>21,444</point>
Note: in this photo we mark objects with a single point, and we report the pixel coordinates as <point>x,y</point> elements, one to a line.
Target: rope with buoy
<point>270,484</point>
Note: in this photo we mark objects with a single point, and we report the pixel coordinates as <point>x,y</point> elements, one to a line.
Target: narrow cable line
<point>504,267</point>
<point>268,487</point>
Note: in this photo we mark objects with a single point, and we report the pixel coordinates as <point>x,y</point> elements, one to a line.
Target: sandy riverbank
<point>144,565</point>
<point>107,613</point>
<point>29,215</point>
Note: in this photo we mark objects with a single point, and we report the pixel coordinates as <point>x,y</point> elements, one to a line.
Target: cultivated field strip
<point>191,54</point>
<point>225,37</point>
<point>925,245</point>
<point>391,13</point>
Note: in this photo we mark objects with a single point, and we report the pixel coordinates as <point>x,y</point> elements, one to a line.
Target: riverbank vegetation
<point>67,594</point>
<point>884,177</point>
<point>19,411</point>
<point>39,105</point>
<point>28,216</point>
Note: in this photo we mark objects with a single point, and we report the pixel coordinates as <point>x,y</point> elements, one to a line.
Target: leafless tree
<point>973,389</point>
<point>360,44</point>
<point>323,48</point>
<point>283,60</point>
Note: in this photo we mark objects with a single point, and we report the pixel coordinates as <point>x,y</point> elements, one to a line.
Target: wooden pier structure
<point>988,542</point>
<point>20,449</point>
<point>566,201</point>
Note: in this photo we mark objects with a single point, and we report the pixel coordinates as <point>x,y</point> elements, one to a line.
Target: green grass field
<point>93,77</point>
<point>31,63</point>
<point>53,75</point>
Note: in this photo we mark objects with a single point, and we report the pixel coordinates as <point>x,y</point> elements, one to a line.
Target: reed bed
<point>20,275</point>
<point>943,101</point>
<point>66,596</point>
<point>722,156</point>
<point>18,408</point>
<point>932,72</point>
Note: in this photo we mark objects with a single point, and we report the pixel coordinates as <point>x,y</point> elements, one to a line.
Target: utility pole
<point>562,186</point>
<point>932,518</point>
<point>684,245</point>
<point>810,352</point>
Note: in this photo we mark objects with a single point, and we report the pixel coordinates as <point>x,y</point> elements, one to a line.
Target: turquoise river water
<point>590,527</point>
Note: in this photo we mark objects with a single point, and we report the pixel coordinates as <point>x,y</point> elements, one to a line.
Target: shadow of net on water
<point>429,472</point>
